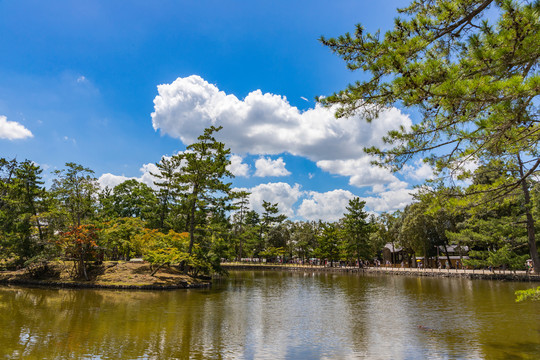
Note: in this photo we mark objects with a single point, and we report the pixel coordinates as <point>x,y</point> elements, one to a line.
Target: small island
<point>134,275</point>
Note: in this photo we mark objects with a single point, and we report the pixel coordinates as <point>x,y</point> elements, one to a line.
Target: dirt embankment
<point>110,275</point>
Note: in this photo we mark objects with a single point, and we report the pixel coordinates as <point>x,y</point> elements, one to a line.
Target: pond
<point>276,315</point>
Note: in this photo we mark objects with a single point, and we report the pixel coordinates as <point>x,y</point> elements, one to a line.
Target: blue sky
<point>79,83</point>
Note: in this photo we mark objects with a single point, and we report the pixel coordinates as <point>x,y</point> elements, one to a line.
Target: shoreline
<point>110,275</point>
<point>503,275</point>
<point>91,285</point>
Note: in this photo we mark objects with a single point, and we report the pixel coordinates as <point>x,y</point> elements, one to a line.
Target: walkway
<point>517,275</point>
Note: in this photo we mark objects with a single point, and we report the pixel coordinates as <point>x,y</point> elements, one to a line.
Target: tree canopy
<point>470,67</point>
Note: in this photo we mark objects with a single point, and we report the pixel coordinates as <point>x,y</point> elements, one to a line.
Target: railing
<point>383,268</point>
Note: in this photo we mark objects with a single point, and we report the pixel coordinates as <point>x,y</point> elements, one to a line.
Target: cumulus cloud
<point>328,206</point>
<point>265,123</point>
<point>360,171</point>
<point>237,167</point>
<point>390,200</point>
<point>12,130</point>
<point>269,167</point>
<point>111,180</point>
<point>419,171</point>
<point>268,124</point>
<point>281,193</point>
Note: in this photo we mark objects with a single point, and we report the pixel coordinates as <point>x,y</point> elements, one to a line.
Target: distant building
<point>392,254</point>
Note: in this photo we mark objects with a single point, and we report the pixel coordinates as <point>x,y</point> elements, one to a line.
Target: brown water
<point>276,315</point>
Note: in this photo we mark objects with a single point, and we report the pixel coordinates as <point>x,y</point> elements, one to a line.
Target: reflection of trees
<point>271,315</point>
<point>70,323</point>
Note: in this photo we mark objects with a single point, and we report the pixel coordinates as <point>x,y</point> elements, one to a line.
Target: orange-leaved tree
<point>79,244</point>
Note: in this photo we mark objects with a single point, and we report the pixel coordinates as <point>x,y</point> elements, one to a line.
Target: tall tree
<point>22,232</point>
<point>239,219</point>
<point>471,68</point>
<point>387,230</point>
<point>304,239</point>
<point>270,218</point>
<point>133,198</point>
<point>203,169</point>
<point>252,233</point>
<point>76,190</point>
<point>328,242</point>
<point>495,226</point>
<point>7,213</point>
<point>168,190</point>
<point>357,230</point>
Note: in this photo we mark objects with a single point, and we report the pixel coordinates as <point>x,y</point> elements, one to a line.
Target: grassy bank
<point>111,275</point>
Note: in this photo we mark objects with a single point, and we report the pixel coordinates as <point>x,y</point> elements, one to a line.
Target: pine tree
<point>471,68</point>
<point>203,168</point>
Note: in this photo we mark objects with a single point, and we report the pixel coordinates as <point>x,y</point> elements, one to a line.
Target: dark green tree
<point>201,175</point>
<point>270,218</point>
<point>22,231</point>
<point>357,230</point>
<point>76,192</point>
<point>329,240</point>
<point>387,229</point>
<point>239,220</point>
<point>304,238</point>
<point>251,235</point>
<point>133,198</point>
<point>168,190</point>
<point>493,230</point>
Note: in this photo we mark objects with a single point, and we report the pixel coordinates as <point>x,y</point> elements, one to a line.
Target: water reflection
<point>275,315</point>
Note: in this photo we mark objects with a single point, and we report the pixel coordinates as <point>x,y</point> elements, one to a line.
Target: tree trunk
<point>82,265</point>
<point>530,221</point>
<point>191,228</point>
<point>156,269</point>
<point>447,256</point>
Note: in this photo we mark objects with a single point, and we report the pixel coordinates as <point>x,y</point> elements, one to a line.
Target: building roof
<point>454,248</point>
<point>392,248</point>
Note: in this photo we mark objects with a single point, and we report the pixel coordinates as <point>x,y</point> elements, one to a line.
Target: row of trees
<point>193,219</point>
<point>468,67</point>
<point>182,222</point>
<point>491,233</point>
<point>190,218</point>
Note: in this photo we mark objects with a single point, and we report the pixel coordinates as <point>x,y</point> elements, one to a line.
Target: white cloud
<point>419,171</point>
<point>146,177</point>
<point>265,123</point>
<point>237,167</point>
<point>360,171</point>
<point>66,138</point>
<point>269,167</point>
<point>12,130</point>
<point>281,193</point>
<point>460,168</point>
<point>109,180</point>
<point>328,206</point>
<point>390,200</point>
